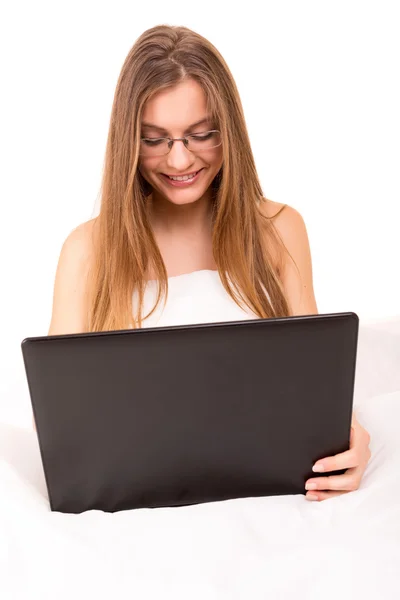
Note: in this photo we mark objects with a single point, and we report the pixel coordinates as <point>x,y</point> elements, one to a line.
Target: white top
<point>193,298</point>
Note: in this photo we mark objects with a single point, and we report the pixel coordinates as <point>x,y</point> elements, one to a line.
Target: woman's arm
<point>299,289</point>
<point>297,282</point>
<point>69,297</point>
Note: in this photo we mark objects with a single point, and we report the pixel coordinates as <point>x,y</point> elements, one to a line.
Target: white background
<point>319,82</point>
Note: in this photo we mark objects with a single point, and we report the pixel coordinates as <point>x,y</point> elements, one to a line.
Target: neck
<point>167,217</point>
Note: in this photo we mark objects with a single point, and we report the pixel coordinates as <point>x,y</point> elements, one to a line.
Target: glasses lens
<point>154,147</point>
<point>203,141</point>
<point>196,143</point>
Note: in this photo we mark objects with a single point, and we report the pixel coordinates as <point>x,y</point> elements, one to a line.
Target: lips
<point>183,174</point>
<point>179,183</point>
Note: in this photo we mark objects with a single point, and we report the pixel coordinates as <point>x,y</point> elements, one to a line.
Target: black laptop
<point>172,416</point>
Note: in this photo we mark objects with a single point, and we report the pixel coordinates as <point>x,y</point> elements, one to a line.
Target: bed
<point>275,547</point>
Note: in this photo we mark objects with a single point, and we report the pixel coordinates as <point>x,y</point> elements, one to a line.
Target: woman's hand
<point>354,460</point>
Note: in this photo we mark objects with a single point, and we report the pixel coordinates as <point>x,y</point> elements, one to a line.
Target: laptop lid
<point>180,415</point>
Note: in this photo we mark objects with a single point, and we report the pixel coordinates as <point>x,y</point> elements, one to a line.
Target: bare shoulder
<point>271,209</point>
<point>69,296</point>
<point>282,215</point>
<point>288,223</point>
<point>79,242</point>
<point>295,265</point>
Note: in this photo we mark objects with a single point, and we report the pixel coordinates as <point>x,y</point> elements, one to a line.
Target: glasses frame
<point>185,141</point>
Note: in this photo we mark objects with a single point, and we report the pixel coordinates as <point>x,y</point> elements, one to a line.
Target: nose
<point>179,157</point>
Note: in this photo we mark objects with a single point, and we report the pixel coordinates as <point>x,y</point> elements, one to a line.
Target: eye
<point>202,136</point>
<point>153,141</point>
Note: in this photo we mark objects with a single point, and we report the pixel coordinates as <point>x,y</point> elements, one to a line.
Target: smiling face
<point>174,113</point>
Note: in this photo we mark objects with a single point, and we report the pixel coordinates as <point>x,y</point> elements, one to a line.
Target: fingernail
<point>311,486</point>
<point>318,468</point>
<point>311,497</point>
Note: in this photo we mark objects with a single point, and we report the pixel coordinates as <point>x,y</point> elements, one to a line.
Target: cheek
<point>218,159</point>
<point>213,160</point>
<point>146,167</point>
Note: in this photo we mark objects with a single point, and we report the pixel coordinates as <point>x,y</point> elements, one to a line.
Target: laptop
<point>172,416</point>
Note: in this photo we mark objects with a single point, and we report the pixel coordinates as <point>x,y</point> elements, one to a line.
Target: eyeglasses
<point>196,142</point>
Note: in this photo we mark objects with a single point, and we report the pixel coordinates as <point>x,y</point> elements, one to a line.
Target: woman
<point>180,195</point>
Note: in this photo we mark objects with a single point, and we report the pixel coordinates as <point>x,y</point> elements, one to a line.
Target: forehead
<point>176,108</point>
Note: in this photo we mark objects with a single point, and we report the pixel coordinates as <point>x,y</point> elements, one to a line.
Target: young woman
<point>182,204</point>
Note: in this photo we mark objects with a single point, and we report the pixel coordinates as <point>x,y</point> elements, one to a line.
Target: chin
<point>183,198</point>
<point>180,195</point>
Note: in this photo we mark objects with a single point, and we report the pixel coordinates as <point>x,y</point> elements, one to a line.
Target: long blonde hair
<point>124,246</point>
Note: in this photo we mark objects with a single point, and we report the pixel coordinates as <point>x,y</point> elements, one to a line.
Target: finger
<point>319,496</point>
<point>352,436</point>
<point>357,454</point>
<point>348,481</point>
<point>344,460</point>
<point>358,434</point>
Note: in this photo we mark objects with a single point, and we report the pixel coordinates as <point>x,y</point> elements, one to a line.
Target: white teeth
<point>185,178</point>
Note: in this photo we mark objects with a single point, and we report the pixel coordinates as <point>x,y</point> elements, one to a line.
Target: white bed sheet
<point>277,547</point>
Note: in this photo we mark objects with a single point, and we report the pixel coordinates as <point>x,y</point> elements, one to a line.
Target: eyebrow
<point>162,130</point>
